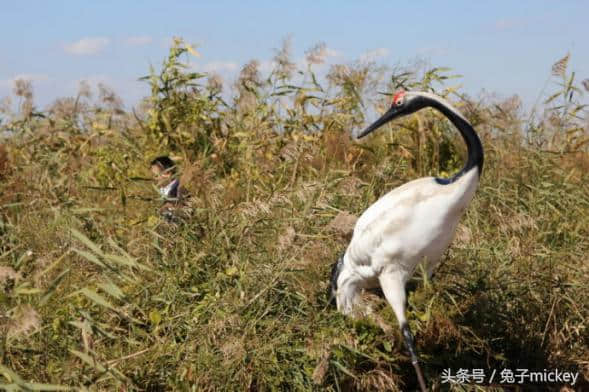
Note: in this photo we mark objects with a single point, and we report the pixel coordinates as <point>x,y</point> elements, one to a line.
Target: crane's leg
<point>393,288</point>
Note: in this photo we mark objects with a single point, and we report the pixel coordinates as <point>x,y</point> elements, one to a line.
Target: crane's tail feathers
<point>335,271</point>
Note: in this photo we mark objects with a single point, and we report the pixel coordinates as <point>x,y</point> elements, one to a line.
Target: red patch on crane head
<point>398,96</point>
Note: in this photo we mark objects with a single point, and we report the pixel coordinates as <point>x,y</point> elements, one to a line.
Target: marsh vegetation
<point>97,292</point>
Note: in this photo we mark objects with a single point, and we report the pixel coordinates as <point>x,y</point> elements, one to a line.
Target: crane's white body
<point>411,224</point>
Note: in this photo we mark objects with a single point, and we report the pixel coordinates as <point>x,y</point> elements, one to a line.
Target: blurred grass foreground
<point>97,292</point>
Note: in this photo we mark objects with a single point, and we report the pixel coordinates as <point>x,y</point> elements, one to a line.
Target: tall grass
<point>98,293</point>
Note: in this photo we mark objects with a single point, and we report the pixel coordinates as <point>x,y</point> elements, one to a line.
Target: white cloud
<point>139,40</point>
<point>374,55</point>
<point>87,46</point>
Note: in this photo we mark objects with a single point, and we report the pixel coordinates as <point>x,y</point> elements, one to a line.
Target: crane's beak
<point>392,113</point>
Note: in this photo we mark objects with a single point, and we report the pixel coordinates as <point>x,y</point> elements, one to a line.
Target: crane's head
<point>404,103</point>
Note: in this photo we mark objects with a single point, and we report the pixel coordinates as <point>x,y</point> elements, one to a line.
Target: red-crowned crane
<point>411,224</point>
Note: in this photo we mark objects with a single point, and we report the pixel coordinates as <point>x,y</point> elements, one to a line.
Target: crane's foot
<point>409,342</point>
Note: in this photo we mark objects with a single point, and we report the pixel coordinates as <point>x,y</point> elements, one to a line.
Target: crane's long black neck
<point>474,147</point>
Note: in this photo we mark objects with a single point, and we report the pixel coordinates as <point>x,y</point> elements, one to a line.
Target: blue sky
<point>505,47</point>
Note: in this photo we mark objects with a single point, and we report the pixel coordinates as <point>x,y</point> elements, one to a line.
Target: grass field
<point>97,292</point>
